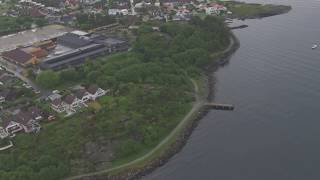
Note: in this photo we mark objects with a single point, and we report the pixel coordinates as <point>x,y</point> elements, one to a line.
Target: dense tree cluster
<point>88,21</point>
<point>14,24</point>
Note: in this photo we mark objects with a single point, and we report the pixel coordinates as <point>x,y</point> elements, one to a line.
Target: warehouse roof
<point>17,55</point>
<point>73,40</point>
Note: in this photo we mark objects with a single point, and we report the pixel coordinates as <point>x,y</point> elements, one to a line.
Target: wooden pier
<point>216,106</point>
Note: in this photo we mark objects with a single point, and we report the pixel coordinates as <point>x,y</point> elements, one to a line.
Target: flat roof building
<point>72,40</point>
<point>86,47</point>
<point>19,57</point>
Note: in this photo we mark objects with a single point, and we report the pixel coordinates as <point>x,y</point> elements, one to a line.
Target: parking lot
<point>25,38</point>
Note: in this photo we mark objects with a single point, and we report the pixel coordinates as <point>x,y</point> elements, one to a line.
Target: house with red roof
<point>19,57</point>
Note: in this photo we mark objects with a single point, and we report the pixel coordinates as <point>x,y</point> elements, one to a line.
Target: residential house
<point>11,127</point>
<point>89,2</point>
<point>96,92</point>
<point>26,121</point>
<point>119,10</point>
<point>72,4</point>
<point>3,133</point>
<point>83,95</point>
<point>173,3</point>
<point>55,95</point>
<point>216,9</point>
<point>71,102</point>
<point>57,105</point>
<point>182,14</point>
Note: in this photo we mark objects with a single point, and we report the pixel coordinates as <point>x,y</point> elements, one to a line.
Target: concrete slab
<point>29,37</point>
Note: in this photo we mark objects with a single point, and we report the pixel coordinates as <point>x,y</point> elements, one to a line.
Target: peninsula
<point>114,101</point>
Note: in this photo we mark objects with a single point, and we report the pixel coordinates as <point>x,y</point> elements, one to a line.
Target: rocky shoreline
<point>176,147</point>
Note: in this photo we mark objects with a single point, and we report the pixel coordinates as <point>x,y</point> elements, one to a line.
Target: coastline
<point>177,139</point>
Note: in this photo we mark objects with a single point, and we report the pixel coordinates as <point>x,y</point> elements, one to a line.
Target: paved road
<point>17,72</point>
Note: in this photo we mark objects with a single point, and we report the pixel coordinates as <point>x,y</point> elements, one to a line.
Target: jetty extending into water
<point>217,106</point>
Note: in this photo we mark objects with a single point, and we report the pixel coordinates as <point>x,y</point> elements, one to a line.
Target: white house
<point>57,105</point>
<point>216,9</point>
<point>83,95</point>
<point>3,133</point>
<point>71,102</point>
<point>96,92</point>
<point>12,127</point>
<point>113,12</point>
<point>90,2</point>
<point>27,121</point>
<point>120,9</point>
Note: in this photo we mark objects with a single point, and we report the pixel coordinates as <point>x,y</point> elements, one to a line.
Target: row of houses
<point>25,120</point>
<point>71,102</point>
<point>28,119</point>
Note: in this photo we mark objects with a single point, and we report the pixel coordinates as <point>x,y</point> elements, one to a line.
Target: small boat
<point>314,46</point>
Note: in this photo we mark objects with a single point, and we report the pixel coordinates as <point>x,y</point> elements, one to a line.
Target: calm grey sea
<point>274,81</point>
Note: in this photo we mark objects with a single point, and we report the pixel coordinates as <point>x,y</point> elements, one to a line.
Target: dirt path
<point>196,107</point>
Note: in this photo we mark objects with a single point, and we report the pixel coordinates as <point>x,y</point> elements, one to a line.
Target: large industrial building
<point>83,47</point>
<point>69,49</point>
